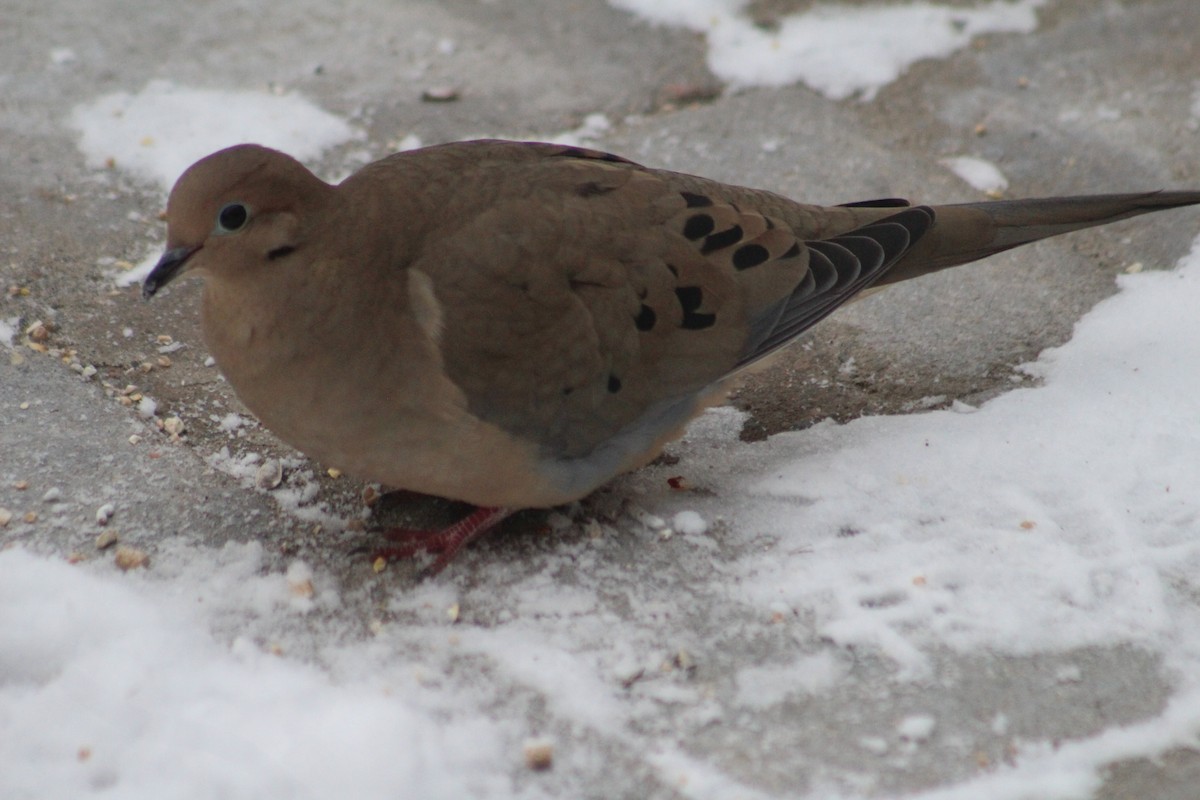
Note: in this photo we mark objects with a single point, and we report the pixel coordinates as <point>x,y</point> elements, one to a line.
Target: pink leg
<point>445,542</point>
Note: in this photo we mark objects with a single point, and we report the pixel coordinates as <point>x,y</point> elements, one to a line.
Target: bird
<point>514,324</point>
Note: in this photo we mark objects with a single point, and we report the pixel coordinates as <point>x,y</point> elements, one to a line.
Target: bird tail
<point>968,231</point>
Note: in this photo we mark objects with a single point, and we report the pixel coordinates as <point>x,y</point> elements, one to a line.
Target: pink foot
<point>445,542</point>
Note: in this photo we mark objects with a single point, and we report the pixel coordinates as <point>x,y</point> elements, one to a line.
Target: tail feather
<point>968,231</point>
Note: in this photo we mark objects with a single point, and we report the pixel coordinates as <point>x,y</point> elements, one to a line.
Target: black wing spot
<point>750,255</point>
<point>646,318</point>
<point>614,383</point>
<point>280,252</point>
<point>698,226</point>
<point>690,298</point>
<point>696,200</point>
<point>719,241</point>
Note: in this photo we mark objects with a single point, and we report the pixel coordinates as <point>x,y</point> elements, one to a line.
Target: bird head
<point>233,212</point>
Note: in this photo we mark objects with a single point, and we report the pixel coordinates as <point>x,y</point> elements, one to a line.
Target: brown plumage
<point>513,324</point>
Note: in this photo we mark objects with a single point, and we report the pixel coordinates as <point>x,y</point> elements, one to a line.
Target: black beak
<point>166,269</point>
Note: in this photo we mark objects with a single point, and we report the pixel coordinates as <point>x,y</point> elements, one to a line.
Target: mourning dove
<point>514,324</point>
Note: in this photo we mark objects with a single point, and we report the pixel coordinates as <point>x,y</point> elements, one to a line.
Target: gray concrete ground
<point>535,67</point>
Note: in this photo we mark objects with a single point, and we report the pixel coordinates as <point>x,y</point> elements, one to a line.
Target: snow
<point>117,688</point>
<point>298,495</point>
<point>689,523</point>
<point>1080,486</point>
<point>766,686</point>
<point>978,173</point>
<point>135,274</point>
<point>917,727</point>
<point>147,407</point>
<point>839,51</point>
<point>141,131</point>
<point>231,422</point>
<point>593,127</point>
<point>61,56</point>
<point>8,330</point>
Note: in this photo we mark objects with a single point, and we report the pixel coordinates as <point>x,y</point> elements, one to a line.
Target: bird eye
<point>232,217</point>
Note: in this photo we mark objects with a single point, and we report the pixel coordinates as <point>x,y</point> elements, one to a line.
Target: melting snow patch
<point>689,523</point>
<point>297,496</point>
<point>117,687</point>
<point>140,131</point>
<point>916,728</point>
<point>230,422</point>
<point>136,273</point>
<point>839,51</point>
<point>594,126</point>
<point>764,686</point>
<point>147,407</point>
<point>982,175</point>
<point>8,330</point>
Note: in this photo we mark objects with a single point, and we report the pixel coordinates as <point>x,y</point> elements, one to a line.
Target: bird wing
<point>590,302</point>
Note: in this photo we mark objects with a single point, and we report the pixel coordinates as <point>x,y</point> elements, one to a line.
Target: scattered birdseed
<point>440,94</point>
<point>269,474</point>
<point>128,558</point>
<point>38,331</point>
<point>539,754</point>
